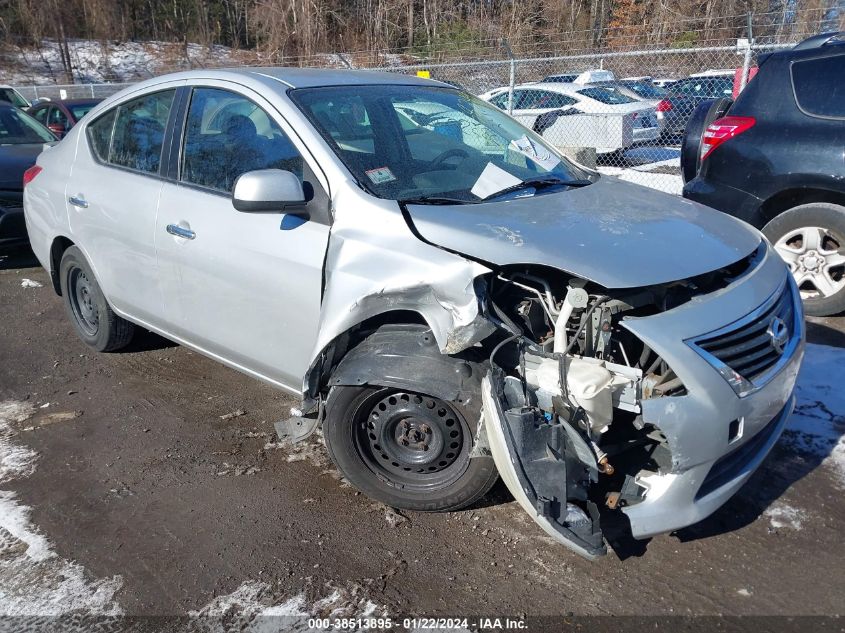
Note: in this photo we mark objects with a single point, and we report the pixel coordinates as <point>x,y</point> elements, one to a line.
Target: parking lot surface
<point>151,482</point>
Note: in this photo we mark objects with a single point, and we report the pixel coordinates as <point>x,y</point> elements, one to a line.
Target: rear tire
<point>811,239</point>
<point>92,318</point>
<point>376,437</point>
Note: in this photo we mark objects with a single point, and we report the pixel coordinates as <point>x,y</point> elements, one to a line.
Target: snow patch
<point>817,426</point>
<point>311,449</point>
<point>254,607</point>
<point>33,579</point>
<point>31,283</point>
<point>782,515</point>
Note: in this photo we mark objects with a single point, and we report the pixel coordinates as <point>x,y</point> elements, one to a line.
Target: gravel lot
<point>150,482</point>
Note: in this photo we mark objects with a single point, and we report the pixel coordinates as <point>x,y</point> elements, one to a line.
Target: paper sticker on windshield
<point>540,155</point>
<point>380,175</point>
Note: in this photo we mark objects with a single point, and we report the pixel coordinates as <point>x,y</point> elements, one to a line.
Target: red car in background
<point>60,116</point>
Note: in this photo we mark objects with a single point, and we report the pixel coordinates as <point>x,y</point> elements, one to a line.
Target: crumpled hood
<point>614,233</point>
<point>14,160</point>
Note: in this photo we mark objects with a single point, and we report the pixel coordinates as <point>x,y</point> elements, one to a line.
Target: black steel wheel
<point>92,318</point>
<point>82,301</point>
<point>417,442</point>
<point>407,449</point>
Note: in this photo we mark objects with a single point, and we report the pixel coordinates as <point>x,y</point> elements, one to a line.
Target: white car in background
<point>580,115</point>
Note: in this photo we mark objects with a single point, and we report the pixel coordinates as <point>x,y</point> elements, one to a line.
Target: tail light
<point>30,174</point>
<point>664,106</point>
<point>722,130</point>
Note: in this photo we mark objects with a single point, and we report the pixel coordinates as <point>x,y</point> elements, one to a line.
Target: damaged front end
<point>586,420</point>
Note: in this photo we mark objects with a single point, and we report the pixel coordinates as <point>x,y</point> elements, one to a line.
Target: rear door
<point>112,197</point>
<point>242,287</point>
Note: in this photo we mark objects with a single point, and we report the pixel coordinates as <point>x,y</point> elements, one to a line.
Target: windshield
<point>606,96</point>
<point>646,89</point>
<point>18,128</point>
<point>12,96</point>
<point>410,142</point>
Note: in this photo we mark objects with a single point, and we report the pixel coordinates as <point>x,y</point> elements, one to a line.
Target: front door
<point>243,287</point>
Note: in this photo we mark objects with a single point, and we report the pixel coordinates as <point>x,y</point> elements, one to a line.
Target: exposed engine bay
<point>569,380</point>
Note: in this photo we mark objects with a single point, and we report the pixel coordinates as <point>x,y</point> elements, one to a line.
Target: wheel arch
<point>57,248</point>
<point>376,351</point>
<point>797,196</point>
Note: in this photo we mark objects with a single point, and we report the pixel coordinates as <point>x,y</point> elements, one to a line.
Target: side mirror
<point>57,128</point>
<point>269,191</point>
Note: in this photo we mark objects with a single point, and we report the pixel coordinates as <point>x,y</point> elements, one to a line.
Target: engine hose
<point>584,320</point>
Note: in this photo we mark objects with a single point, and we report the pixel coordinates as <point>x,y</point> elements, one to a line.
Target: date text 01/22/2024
<point>386,623</point>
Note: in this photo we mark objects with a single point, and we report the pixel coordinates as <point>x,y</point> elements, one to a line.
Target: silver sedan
<point>450,297</point>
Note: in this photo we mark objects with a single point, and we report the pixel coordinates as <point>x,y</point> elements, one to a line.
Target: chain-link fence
<point>621,112</point>
<point>71,91</point>
<point>618,109</point>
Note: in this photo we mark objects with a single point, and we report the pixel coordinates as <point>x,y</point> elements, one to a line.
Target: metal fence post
<point>746,62</point>
<point>512,81</point>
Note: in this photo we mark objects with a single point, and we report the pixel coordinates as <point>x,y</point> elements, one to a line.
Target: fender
<point>407,356</point>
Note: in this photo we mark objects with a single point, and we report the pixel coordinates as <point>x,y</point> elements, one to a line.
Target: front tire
<point>811,239</point>
<point>406,449</point>
<point>92,318</point>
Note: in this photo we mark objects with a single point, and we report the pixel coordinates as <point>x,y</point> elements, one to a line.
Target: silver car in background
<point>451,299</point>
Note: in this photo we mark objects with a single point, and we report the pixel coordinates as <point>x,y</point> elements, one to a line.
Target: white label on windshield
<point>493,180</point>
<point>380,175</point>
<point>540,155</point>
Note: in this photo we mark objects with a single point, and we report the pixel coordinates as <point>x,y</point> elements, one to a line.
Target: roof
<point>314,77</point>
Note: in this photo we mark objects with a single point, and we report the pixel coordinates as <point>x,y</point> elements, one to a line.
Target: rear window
<point>606,95</point>
<point>819,86</point>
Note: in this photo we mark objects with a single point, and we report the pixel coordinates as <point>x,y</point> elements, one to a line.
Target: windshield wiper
<point>436,200</point>
<point>538,183</point>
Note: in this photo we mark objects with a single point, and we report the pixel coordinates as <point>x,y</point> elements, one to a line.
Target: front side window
<point>138,133</point>
<point>227,135</point>
<point>18,128</point>
<point>606,96</point>
<point>40,115</point>
<point>646,90</point>
<point>407,142</point>
<point>820,86</point>
<point>57,117</point>
<point>544,100</point>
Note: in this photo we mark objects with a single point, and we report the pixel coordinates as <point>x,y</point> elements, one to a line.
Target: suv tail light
<point>722,130</point>
<point>30,174</point>
<point>664,106</point>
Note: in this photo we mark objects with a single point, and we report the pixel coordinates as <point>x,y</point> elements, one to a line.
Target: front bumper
<point>716,437</point>
<point>12,227</point>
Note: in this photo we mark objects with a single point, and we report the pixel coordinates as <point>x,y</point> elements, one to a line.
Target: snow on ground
<point>34,580</point>
<point>783,515</point>
<point>95,61</point>
<point>817,426</point>
<point>646,165</point>
<point>254,609</point>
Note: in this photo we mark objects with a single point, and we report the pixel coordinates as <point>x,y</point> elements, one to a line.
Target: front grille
<point>748,352</point>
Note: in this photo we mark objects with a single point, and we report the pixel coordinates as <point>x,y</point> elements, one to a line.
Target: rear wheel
<point>89,312</point>
<point>811,239</point>
<point>406,449</point>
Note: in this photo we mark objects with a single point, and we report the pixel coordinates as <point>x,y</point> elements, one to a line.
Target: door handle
<point>179,231</point>
<point>78,201</point>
